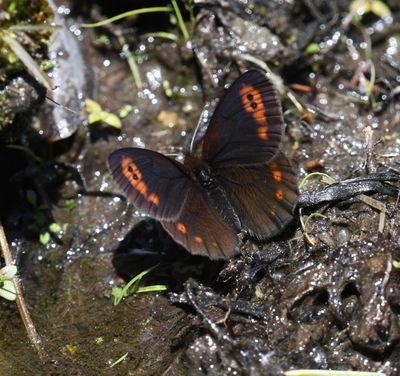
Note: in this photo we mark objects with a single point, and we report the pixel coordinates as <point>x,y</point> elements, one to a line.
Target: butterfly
<point>241,183</point>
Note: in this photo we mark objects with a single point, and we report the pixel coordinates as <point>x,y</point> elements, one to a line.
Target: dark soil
<point>323,296</point>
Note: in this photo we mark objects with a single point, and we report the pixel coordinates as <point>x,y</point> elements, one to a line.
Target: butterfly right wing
<point>264,196</point>
<point>201,229</point>
<point>157,185</point>
<point>247,125</point>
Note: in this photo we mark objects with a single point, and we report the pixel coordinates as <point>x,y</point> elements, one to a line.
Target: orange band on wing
<point>253,103</point>
<point>154,199</point>
<point>263,133</point>
<point>131,171</point>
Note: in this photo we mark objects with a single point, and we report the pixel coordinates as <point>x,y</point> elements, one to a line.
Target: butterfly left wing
<point>162,188</point>
<point>264,196</point>
<point>201,229</point>
<point>158,186</point>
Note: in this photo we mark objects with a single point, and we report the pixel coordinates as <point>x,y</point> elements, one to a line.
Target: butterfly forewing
<point>201,229</point>
<point>264,196</point>
<point>157,185</point>
<point>246,127</point>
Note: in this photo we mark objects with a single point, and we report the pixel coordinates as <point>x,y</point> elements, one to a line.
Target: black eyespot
<point>250,97</point>
<point>253,105</point>
<point>130,169</point>
<point>135,177</point>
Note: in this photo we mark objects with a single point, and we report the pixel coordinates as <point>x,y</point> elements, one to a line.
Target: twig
<point>23,310</point>
<point>219,333</point>
<point>378,206</point>
<point>307,236</point>
<point>369,150</point>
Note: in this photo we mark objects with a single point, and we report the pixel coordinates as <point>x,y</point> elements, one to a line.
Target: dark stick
<point>23,309</point>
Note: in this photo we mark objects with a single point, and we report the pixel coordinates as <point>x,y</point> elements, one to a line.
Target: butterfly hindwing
<point>201,229</point>
<point>246,127</point>
<point>157,185</point>
<point>264,196</point>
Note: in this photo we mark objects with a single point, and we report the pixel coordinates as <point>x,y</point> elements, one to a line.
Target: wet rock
<point>236,39</point>
<point>18,100</point>
<point>61,119</point>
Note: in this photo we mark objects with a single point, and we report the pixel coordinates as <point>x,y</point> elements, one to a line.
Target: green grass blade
<point>26,59</point>
<point>131,59</point>
<point>43,27</point>
<point>138,277</point>
<point>164,35</point>
<point>180,19</point>
<point>153,288</point>
<point>308,176</point>
<point>132,287</point>
<point>119,360</point>
<point>128,14</point>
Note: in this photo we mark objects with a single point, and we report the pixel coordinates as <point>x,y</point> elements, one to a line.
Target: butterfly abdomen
<point>204,176</point>
<point>225,208</point>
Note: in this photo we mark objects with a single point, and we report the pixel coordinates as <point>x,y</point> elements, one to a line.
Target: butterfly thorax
<point>202,173</point>
<point>203,176</point>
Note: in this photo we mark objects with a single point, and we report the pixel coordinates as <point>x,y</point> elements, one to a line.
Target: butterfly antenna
<point>63,107</point>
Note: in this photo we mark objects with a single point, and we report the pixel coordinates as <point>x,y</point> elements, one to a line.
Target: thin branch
<point>23,309</point>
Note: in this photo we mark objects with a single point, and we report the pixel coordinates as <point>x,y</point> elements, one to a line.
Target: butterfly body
<point>240,182</point>
<point>199,171</point>
<point>217,195</point>
<point>202,175</point>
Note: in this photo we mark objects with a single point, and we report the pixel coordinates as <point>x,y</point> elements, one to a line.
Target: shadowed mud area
<point>323,295</point>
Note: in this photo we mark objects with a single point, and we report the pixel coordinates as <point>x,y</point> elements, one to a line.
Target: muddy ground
<point>323,295</point>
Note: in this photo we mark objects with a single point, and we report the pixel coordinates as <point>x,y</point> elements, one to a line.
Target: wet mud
<point>324,294</point>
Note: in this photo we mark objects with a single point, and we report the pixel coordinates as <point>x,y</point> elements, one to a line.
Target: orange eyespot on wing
<point>133,174</point>
<point>155,184</point>
<point>246,127</point>
<point>181,228</point>
<point>279,194</point>
<point>131,171</point>
<point>276,173</point>
<point>198,239</point>
<point>264,196</point>
<point>201,229</point>
<point>253,103</point>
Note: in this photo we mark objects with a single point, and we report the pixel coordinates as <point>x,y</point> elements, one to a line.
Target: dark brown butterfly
<point>240,183</point>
